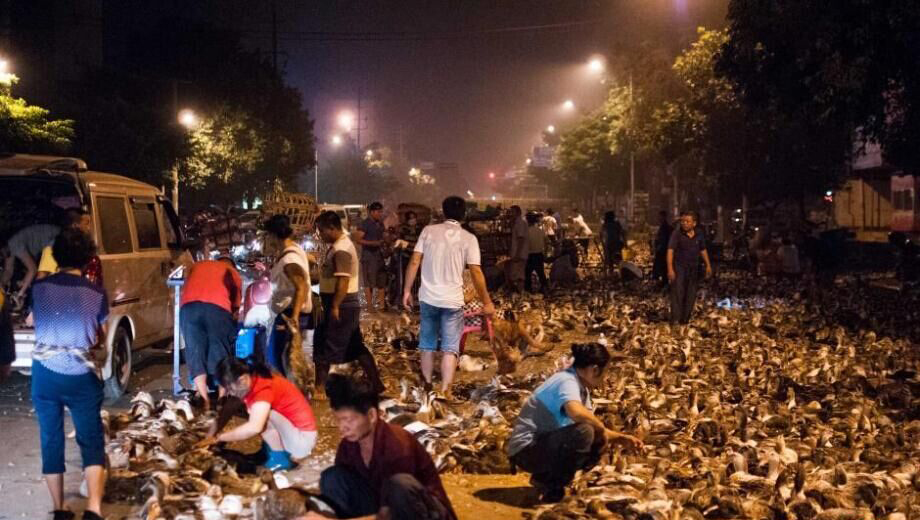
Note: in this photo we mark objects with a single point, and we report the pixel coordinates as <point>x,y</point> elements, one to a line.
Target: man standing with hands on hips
<point>685,248</point>
<point>442,251</point>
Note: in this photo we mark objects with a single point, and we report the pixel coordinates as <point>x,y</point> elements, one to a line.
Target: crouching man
<point>380,471</point>
<point>556,433</point>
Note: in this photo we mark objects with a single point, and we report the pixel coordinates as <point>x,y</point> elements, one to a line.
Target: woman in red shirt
<point>277,409</point>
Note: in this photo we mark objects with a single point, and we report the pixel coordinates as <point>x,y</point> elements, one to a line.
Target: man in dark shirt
<point>662,238</point>
<point>380,470</point>
<point>684,251</point>
<point>369,236</point>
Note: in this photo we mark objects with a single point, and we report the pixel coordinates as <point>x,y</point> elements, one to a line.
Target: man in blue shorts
<point>442,251</point>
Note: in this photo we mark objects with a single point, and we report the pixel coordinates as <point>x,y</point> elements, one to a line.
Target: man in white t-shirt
<point>442,251</point>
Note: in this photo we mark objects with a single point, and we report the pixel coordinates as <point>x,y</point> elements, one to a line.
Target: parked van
<point>139,242</point>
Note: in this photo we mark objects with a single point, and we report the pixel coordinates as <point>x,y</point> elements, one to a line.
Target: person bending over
<point>556,433</point>
<point>278,411</point>
<point>381,471</point>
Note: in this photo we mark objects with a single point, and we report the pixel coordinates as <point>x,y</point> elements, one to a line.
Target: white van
<point>139,242</point>
<point>340,211</point>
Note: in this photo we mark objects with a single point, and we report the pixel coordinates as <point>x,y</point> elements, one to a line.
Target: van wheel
<point>117,383</point>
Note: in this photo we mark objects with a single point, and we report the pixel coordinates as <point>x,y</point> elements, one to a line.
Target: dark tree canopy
<point>126,121</point>
<point>847,63</point>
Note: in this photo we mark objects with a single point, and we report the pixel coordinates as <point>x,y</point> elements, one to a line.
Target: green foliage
<point>28,128</point>
<point>584,158</point>
<point>226,152</point>
<point>850,64</point>
<point>255,134</point>
<point>735,148</point>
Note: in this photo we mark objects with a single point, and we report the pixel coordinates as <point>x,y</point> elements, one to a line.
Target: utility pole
<point>175,166</point>
<point>632,161</point>
<point>401,156</point>
<point>274,38</point>
<point>358,133</point>
<point>316,172</point>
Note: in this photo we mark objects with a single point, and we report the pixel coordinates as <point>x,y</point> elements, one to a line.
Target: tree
<point>742,149</point>
<point>127,119</point>
<point>850,64</point>
<point>583,158</point>
<point>227,150</point>
<point>28,128</point>
<point>347,179</point>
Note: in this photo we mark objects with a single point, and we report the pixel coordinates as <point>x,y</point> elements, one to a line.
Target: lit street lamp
<point>188,120</point>
<point>568,105</point>
<point>346,121</point>
<point>596,65</point>
<point>369,154</point>
<point>336,140</point>
<point>551,129</point>
<point>492,175</point>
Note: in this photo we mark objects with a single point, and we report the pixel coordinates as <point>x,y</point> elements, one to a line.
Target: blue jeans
<point>438,322</point>
<point>210,336</point>
<point>82,395</point>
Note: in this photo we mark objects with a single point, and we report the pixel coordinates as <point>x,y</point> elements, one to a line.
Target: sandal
<point>60,514</point>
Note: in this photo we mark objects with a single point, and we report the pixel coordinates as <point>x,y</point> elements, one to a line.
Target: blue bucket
<point>246,341</point>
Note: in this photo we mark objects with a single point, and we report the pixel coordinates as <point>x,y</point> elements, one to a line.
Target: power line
<point>382,36</point>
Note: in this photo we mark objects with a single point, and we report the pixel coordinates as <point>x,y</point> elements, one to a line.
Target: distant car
<point>139,242</point>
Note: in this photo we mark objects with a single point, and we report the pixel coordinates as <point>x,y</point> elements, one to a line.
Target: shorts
<point>440,323</point>
<point>338,341</point>
<point>373,272</point>
<point>299,443</point>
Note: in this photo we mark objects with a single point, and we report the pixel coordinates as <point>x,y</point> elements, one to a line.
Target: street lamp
<point>336,140</point>
<point>346,121</point>
<point>188,118</point>
<point>568,105</point>
<point>369,154</point>
<point>596,65</point>
<point>551,129</point>
<point>492,175</point>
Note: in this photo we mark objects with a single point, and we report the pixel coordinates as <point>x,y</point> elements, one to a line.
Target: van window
<point>145,219</point>
<point>113,225</point>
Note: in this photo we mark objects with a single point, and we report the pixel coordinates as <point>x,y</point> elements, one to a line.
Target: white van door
<point>151,266</point>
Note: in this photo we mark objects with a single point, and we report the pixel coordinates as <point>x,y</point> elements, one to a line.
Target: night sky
<point>459,90</point>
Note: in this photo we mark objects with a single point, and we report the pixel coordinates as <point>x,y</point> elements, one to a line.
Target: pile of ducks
<point>767,406</point>
<point>154,463</point>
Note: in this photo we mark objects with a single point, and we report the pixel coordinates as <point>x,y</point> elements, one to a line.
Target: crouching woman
<point>278,411</point>
<point>556,433</point>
